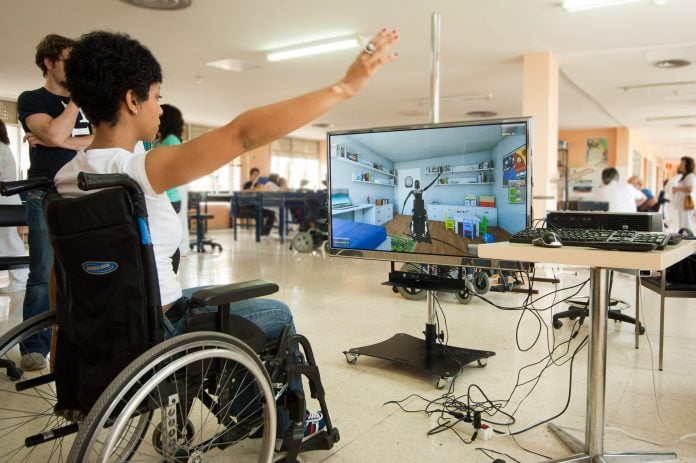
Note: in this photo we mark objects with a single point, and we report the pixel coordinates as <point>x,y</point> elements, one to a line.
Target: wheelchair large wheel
<point>27,399</point>
<point>29,429</point>
<point>203,392</point>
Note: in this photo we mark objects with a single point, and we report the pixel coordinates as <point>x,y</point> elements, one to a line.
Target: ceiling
<point>482,43</point>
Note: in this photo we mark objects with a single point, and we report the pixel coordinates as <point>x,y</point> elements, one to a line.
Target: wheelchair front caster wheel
<point>444,382</point>
<point>302,242</point>
<point>557,323</point>
<point>352,357</point>
<point>641,330</point>
<point>482,362</point>
<point>482,282</point>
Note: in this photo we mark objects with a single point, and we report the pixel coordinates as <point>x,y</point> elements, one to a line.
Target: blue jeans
<point>40,264</point>
<point>269,315</point>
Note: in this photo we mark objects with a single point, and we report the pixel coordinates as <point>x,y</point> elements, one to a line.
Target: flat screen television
<point>425,193</point>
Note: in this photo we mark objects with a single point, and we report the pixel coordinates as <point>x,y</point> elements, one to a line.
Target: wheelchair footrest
<point>53,434</point>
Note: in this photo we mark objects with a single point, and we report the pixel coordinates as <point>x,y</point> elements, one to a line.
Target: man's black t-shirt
<point>46,161</point>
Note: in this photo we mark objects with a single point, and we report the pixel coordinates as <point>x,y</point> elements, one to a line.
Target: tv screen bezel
<point>468,259</point>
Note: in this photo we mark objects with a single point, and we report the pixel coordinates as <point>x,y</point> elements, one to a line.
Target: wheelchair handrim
<point>213,345</point>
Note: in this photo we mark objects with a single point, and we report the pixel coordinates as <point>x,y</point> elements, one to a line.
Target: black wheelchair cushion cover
<point>101,293</point>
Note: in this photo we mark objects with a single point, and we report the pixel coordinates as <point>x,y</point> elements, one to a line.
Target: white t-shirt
<point>8,173</point>
<point>621,196</point>
<point>165,228</point>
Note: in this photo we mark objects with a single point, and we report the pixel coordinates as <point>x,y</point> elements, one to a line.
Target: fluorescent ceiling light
<point>231,64</point>
<point>579,5</point>
<point>313,48</point>
<point>658,86</point>
<point>668,118</point>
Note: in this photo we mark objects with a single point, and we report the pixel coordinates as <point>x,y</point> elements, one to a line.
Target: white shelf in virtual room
<point>464,184</point>
<point>461,171</point>
<point>373,183</point>
<point>364,166</point>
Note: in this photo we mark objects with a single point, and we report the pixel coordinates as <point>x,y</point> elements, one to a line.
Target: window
<point>226,178</point>
<point>297,160</point>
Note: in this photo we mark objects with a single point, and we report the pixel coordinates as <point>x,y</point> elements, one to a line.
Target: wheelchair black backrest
<point>107,298</point>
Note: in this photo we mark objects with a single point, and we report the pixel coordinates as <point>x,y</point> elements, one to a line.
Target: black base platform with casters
<point>425,354</point>
<point>445,362</point>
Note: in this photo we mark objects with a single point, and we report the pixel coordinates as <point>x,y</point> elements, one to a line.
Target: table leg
<point>637,327</point>
<point>593,449</point>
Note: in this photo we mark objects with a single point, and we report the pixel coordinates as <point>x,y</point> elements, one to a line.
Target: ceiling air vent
<point>481,114</point>
<point>160,4</point>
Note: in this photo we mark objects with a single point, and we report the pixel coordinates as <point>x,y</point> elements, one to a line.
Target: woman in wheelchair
<point>116,81</point>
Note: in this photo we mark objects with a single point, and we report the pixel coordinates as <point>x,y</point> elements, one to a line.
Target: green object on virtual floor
<point>402,244</point>
<point>483,226</point>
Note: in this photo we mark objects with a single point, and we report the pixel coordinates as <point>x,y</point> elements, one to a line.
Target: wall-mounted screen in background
<point>424,193</point>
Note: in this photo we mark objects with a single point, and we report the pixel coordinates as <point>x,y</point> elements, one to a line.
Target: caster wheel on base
<point>557,323</point>
<point>351,357</point>
<point>444,381</point>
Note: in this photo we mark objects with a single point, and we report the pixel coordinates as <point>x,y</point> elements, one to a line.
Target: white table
<point>599,261</point>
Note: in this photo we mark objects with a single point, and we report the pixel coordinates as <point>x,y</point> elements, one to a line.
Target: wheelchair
<point>114,390</point>
<point>314,223</point>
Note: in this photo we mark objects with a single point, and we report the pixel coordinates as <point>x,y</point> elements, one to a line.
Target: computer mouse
<point>548,239</point>
<point>675,238</point>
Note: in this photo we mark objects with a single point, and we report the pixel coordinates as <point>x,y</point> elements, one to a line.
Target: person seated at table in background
<point>282,184</point>
<point>254,173</point>
<point>621,197</point>
<point>650,199</point>
<point>271,183</point>
<point>304,185</point>
<point>268,216</point>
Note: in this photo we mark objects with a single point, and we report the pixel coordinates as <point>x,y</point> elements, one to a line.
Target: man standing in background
<point>55,129</point>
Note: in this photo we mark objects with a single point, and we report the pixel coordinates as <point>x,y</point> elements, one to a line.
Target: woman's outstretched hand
<point>371,58</point>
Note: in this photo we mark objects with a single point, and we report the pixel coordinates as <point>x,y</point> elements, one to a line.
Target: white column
<point>540,100</point>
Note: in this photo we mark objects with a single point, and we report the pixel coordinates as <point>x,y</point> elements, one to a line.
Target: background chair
<point>684,286</point>
<point>469,227</point>
<point>12,215</point>
<point>580,309</point>
<point>199,213</point>
<point>449,223</point>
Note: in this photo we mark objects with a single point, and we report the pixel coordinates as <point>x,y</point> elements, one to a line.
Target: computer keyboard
<point>622,240</point>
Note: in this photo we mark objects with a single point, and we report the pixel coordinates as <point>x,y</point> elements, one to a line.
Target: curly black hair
<point>3,134</point>
<point>171,122</point>
<point>102,67</point>
<point>51,47</point>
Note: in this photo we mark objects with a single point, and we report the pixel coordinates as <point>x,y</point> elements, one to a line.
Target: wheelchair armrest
<point>224,294</point>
